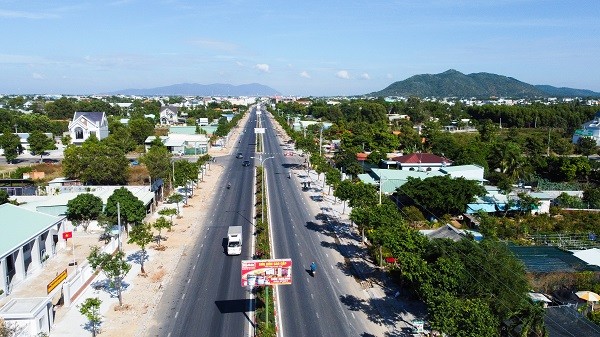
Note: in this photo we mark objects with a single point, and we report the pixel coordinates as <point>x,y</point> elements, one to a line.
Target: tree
<point>4,197</point>
<point>586,146</point>
<point>83,209</point>
<point>175,198</point>
<point>40,143</point>
<point>96,163</point>
<point>158,161</point>
<point>90,308</point>
<point>113,266</point>
<point>132,209</point>
<point>168,212</point>
<point>440,195</point>
<point>462,317</point>
<point>160,224</point>
<point>141,235</point>
<point>140,129</point>
<point>11,144</point>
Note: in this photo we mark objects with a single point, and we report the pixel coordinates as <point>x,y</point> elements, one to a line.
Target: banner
<point>57,280</point>
<point>67,235</point>
<point>266,272</point>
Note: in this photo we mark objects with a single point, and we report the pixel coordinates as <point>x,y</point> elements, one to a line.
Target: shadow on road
<point>233,306</point>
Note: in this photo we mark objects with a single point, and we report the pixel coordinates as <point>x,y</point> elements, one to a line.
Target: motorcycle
<point>313,269</point>
<point>228,186</point>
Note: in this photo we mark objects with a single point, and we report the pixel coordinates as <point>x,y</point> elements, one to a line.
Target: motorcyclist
<point>228,185</point>
<point>313,268</point>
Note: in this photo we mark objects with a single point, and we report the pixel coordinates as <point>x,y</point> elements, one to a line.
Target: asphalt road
<point>311,306</point>
<point>206,297</point>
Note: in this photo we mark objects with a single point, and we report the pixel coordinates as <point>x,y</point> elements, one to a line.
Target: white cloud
<point>215,45</point>
<point>262,67</point>
<point>365,76</point>
<point>343,74</point>
<point>38,76</point>
<point>304,74</point>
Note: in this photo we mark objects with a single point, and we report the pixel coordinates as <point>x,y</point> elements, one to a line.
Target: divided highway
<point>206,297</point>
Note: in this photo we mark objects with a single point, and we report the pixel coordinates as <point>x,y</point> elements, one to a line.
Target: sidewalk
<point>395,312</point>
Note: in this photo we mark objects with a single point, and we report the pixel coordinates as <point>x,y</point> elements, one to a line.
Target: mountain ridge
<point>453,83</point>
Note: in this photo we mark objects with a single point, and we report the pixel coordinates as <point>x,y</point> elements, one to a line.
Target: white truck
<point>234,240</point>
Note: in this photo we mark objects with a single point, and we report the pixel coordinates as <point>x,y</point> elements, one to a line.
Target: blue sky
<point>296,47</point>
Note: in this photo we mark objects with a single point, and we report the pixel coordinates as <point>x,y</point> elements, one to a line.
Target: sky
<point>300,48</point>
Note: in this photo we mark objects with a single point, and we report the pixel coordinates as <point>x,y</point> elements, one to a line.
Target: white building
<point>85,124</point>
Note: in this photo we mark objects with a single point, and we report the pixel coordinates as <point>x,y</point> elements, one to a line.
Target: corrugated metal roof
<point>19,225</point>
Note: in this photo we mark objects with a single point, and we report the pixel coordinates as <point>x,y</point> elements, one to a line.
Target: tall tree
<point>114,267</point>
<point>140,129</point>
<point>440,195</point>
<point>158,161</point>
<point>39,143</point>
<point>11,144</point>
<point>83,209</point>
<point>586,146</point>
<point>132,209</point>
<point>96,163</point>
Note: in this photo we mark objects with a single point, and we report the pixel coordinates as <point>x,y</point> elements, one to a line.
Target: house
<point>590,129</point>
<point>85,124</point>
<point>168,115</point>
<point>180,144</point>
<point>421,162</point>
<point>28,237</point>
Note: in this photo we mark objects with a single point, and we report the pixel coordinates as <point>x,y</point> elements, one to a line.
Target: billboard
<point>266,272</point>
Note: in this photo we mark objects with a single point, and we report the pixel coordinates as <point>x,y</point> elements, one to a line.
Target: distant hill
<point>567,92</point>
<point>195,89</point>
<point>452,83</point>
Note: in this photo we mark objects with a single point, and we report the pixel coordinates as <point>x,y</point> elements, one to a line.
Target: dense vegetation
<point>471,289</point>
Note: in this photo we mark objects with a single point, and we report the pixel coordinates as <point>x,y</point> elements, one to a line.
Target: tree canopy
<point>83,209</point>
<point>440,195</point>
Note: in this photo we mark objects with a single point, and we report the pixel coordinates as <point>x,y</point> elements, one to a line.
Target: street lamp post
<point>264,189</point>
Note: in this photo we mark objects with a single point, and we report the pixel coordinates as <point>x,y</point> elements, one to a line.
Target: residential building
<point>421,162</point>
<point>168,115</point>
<point>28,238</point>
<point>85,124</point>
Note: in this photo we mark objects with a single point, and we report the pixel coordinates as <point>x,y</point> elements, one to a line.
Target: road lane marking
<point>338,281</point>
<point>190,280</point>
<point>352,314</point>
<point>194,267</point>
<point>183,296</point>
<point>176,314</point>
<point>198,255</point>
<point>311,296</point>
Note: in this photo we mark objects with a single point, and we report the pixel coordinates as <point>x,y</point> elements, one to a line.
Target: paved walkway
<point>394,311</point>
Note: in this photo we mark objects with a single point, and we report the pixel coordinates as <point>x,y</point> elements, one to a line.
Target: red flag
<point>67,235</point>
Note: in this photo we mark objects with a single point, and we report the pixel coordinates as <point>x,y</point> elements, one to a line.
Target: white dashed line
<point>198,255</point>
<point>352,314</point>
<point>176,314</point>
<point>338,281</point>
<point>194,267</point>
<point>183,296</point>
<point>190,280</point>
<point>311,296</point>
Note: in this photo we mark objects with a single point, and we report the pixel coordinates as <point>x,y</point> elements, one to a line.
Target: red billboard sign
<point>266,272</point>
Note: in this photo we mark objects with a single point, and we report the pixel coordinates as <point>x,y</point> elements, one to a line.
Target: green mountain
<point>453,83</point>
<point>567,92</point>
